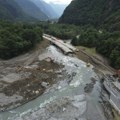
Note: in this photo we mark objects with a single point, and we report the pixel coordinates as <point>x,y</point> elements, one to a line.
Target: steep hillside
<point>100,21</point>
<point>95,12</point>
<point>45,8</point>
<point>10,10</point>
<point>31,9</point>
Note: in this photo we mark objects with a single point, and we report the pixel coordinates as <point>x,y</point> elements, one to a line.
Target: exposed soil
<point>29,88</point>
<point>100,63</point>
<point>25,77</point>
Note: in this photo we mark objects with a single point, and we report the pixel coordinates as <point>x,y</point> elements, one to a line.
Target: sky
<point>59,1</point>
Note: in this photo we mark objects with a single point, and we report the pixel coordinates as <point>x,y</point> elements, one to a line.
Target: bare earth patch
<point>25,77</point>
<point>31,87</point>
<point>89,55</point>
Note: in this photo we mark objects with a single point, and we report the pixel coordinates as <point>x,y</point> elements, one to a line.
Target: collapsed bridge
<point>66,48</point>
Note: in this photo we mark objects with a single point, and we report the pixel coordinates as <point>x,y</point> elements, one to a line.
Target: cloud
<point>59,1</point>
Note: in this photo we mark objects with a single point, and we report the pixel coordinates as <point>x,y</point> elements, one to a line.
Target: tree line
<point>62,31</point>
<point>106,43</point>
<point>18,38</point>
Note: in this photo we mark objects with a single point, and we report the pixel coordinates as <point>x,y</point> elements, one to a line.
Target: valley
<point>59,59</point>
<point>31,83</point>
<point>29,10</point>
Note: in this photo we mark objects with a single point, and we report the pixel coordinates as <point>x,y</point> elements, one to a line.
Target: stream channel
<point>67,99</point>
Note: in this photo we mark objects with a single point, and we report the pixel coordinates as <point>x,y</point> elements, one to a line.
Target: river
<point>66,100</point>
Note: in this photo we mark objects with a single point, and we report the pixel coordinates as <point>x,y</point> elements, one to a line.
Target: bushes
<point>30,36</point>
<point>115,58</point>
<point>60,30</point>
<point>106,43</point>
<point>16,39</point>
<point>87,38</point>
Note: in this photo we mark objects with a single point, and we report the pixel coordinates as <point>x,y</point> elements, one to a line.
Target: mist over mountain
<point>58,8</point>
<point>10,10</point>
<point>31,9</point>
<point>45,8</point>
<point>26,10</point>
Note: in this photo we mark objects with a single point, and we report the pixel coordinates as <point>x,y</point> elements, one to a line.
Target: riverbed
<point>76,96</point>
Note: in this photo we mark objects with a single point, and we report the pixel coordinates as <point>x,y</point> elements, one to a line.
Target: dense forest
<point>96,24</point>
<point>26,10</point>
<point>17,38</point>
<point>106,43</point>
<point>99,21</point>
<point>104,13</point>
<point>62,31</point>
<point>10,10</point>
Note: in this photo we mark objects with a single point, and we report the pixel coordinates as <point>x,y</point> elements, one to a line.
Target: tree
<point>30,35</point>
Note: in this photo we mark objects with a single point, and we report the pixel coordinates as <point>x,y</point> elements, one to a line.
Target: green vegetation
<point>91,51</point>
<point>17,38</point>
<point>103,41</point>
<point>87,38</point>
<point>106,43</point>
<point>10,10</point>
<point>104,17</point>
<point>104,13</point>
<point>60,30</point>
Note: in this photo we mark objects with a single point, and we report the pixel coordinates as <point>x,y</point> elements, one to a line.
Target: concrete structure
<point>66,48</point>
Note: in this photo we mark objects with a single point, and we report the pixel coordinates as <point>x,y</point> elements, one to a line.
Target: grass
<point>116,115</point>
<point>90,51</point>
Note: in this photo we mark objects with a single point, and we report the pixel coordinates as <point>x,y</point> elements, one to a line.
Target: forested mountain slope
<point>31,9</point>
<point>100,23</point>
<point>95,12</point>
<point>10,10</point>
<point>45,8</point>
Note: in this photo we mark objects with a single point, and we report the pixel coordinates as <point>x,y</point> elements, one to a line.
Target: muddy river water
<point>67,99</point>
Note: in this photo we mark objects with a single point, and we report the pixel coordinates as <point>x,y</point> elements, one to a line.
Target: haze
<point>59,1</point>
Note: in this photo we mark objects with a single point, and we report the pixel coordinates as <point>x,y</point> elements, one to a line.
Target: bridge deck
<point>63,46</point>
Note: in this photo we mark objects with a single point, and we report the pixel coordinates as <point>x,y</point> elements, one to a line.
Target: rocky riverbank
<point>34,81</point>
<point>102,68</point>
<point>26,77</point>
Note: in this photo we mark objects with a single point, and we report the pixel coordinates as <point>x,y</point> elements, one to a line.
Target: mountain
<point>45,8</point>
<point>94,12</point>
<point>26,10</point>
<point>20,10</point>
<point>58,8</point>
<point>31,9</point>
<point>10,10</point>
